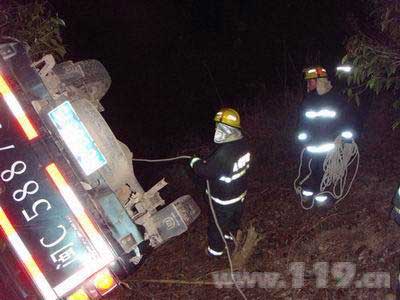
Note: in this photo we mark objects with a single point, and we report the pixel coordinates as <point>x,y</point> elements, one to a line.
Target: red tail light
<point>26,258</point>
<point>75,205</point>
<point>17,110</point>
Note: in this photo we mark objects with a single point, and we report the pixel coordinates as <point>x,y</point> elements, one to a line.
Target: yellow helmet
<point>314,73</point>
<point>228,116</point>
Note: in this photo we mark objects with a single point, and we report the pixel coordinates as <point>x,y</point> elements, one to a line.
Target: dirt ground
<point>357,233</point>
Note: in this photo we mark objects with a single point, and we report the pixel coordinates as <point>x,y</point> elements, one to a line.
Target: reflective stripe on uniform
<point>234,176</point>
<point>321,148</point>
<point>323,113</point>
<point>230,201</point>
<point>307,193</point>
<point>213,252</point>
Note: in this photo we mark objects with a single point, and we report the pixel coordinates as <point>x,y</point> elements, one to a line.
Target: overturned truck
<point>72,212</point>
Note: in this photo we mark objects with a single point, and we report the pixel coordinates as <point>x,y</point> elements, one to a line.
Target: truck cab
<point>72,213</point>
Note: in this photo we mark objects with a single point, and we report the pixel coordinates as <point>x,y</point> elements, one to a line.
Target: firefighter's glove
<point>193,160</point>
<point>395,215</point>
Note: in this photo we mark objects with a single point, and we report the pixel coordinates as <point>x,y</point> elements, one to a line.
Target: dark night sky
<point>160,53</point>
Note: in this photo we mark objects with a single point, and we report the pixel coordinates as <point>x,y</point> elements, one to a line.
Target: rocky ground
<point>337,246</point>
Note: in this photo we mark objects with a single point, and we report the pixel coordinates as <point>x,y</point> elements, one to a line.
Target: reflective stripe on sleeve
<point>193,161</point>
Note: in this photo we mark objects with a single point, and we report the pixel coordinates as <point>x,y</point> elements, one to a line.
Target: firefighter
<point>324,115</point>
<point>226,170</point>
<point>395,214</point>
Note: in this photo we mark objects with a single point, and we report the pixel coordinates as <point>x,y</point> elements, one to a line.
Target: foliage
<point>374,50</point>
<point>33,23</point>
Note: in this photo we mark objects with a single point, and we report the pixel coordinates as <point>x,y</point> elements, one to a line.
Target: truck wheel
<point>96,77</point>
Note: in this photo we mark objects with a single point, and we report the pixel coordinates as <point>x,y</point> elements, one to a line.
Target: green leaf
<point>54,42</point>
<point>392,69</point>
<point>349,80</point>
<point>378,86</point>
<point>350,93</point>
<point>61,51</point>
<point>357,99</point>
<point>33,23</point>
<point>396,104</point>
<point>356,60</point>
<point>371,83</point>
<point>396,124</point>
<point>389,83</point>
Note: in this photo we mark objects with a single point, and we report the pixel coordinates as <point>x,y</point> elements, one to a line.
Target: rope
<point>336,165</point>
<point>226,244</point>
<point>297,186</point>
<point>162,159</point>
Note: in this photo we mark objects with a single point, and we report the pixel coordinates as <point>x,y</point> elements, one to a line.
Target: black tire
<point>96,77</point>
<point>89,76</point>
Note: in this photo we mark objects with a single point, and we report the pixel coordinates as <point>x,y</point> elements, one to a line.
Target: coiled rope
<point>335,166</point>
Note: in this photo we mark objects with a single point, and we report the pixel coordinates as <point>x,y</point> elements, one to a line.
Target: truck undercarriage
<point>72,179</point>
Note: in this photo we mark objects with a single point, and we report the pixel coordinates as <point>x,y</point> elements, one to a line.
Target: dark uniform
<point>395,215</point>
<point>323,118</point>
<point>396,206</point>
<point>226,170</point>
